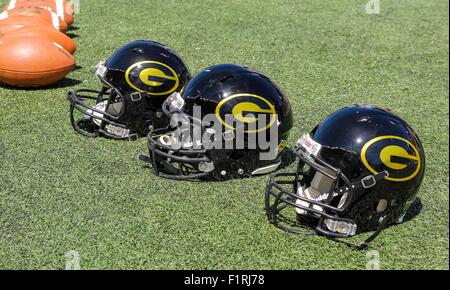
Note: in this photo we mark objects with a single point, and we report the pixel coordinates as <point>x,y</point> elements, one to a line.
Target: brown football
<point>37,13</point>
<point>12,23</point>
<point>46,32</point>
<point>62,8</point>
<point>31,61</point>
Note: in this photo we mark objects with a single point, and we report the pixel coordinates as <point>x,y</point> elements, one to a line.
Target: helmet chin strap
<point>382,224</point>
<point>365,183</point>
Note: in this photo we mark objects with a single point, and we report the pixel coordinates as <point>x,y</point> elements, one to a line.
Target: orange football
<point>31,61</point>
<point>12,23</point>
<point>46,32</point>
<point>62,8</point>
<point>37,13</point>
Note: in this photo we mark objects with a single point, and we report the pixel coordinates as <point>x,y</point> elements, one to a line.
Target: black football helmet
<point>244,104</point>
<point>136,80</point>
<point>358,171</point>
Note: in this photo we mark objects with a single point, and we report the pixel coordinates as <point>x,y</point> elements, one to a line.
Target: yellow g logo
<point>246,109</point>
<point>152,77</point>
<point>392,153</point>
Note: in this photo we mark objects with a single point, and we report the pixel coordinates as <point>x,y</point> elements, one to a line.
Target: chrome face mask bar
<point>108,124</point>
<point>284,197</point>
<point>180,163</point>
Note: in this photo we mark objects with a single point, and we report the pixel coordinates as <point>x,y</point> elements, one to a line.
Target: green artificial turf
<point>61,192</point>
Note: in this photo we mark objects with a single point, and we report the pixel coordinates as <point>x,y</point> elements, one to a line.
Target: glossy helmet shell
<point>149,67</point>
<point>215,87</point>
<point>136,80</point>
<point>221,90</point>
<point>361,140</point>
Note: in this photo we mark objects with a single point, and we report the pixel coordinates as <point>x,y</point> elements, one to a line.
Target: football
<point>31,61</point>
<point>37,13</point>
<point>45,32</point>
<point>13,23</point>
<point>62,8</point>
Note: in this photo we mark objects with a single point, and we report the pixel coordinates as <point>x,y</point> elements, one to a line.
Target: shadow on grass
<point>72,35</point>
<point>73,28</point>
<point>287,158</point>
<point>64,83</point>
<point>77,67</point>
<point>414,210</point>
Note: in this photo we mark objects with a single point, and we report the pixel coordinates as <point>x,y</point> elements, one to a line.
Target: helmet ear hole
<point>381,205</point>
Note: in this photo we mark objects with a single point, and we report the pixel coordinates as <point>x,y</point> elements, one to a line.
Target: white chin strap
<point>168,140</point>
<point>100,107</point>
<point>174,141</point>
<point>309,193</point>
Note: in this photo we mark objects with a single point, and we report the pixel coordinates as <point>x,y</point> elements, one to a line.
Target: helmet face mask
<point>103,114</point>
<point>352,177</point>
<point>200,143</point>
<point>175,158</point>
<point>193,149</point>
<point>135,81</point>
<point>318,192</point>
<point>172,158</point>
